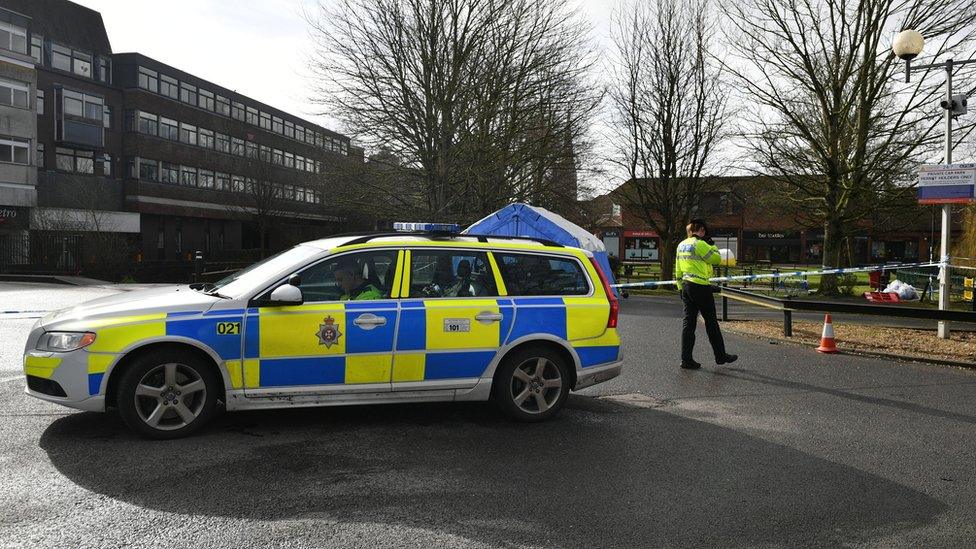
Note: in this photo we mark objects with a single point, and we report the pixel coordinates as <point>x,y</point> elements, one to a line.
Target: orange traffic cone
<point>827,344</point>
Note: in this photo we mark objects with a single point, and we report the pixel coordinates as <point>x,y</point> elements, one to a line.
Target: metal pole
<point>943,331</point>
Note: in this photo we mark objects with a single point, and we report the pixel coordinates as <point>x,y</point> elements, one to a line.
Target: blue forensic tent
<point>535,222</point>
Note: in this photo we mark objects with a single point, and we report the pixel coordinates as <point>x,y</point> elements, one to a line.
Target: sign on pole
<point>946,184</point>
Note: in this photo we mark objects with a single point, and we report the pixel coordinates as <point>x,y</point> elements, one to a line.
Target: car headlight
<point>61,342</point>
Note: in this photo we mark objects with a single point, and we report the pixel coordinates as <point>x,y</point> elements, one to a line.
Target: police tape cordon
<point>784,274</point>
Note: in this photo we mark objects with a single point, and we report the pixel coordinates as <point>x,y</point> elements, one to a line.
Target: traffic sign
<point>946,184</point>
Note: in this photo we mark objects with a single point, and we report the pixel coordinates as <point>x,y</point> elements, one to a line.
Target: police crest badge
<point>329,333</point>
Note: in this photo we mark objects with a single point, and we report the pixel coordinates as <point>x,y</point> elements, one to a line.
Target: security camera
<point>956,106</point>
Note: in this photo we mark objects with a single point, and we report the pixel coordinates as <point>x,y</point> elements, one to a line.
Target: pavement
<point>784,448</point>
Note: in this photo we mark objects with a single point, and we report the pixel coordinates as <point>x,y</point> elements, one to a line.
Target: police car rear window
<point>532,274</point>
<point>450,273</point>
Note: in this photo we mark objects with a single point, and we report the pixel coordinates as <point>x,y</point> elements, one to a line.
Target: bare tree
<point>670,113</point>
<point>484,101</point>
<point>830,119</point>
<point>259,197</point>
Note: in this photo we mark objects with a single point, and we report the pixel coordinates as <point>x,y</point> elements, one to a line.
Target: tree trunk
<point>667,252</point>
<point>832,248</point>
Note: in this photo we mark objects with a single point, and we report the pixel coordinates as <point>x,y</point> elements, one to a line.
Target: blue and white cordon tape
<point>784,274</point>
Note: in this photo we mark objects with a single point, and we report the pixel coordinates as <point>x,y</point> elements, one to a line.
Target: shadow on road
<point>600,475</point>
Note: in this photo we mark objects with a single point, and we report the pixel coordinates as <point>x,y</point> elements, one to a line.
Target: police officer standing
<point>693,268</point>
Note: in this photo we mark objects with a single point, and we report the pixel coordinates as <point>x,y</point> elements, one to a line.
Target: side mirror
<point>286,294</point>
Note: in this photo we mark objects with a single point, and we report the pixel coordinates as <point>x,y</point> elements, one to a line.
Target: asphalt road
<point>786,448</point>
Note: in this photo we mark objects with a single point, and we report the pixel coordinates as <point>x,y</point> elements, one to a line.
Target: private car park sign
<point>946,184</point>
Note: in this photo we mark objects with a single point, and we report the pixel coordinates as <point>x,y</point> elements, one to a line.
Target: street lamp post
<point>907,45</point>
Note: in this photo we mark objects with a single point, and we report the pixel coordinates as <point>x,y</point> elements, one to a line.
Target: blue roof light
<point>449,228</point>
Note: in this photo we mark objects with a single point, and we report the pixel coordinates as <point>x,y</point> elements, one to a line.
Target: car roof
<point>367,240</point>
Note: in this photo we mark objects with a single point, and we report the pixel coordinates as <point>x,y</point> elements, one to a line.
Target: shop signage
<point>770,235</point>
<point>611,234</point>
<point>946,183</point>
<point>13,218</point>
<point>640,234</point>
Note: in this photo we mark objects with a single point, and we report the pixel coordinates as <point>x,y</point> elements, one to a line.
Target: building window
<point>40,102</point>
<point>237,110</point>
<point>300,163</point>
<point>106,162</point>
<point>222,142</point>
<point>343,147</point>
<point>14,150</point>
<point>13,38</point>
<point>299,132</point>
<point>206,179</point>
<point>222,182</point>
<point>60,57</point>
<point>237,183</point>
<point>289,160</point>
<point>40,155</point>
<point>252,116</point>
<point>107,117</point>
<point>188,134</point>
<point>148,170</point>
<point>169,173</point>
<point>206,138</point>
<point>252,149</point>
<point>148,123</point>
<point>265,153</point>
<point>289,129</point>
<point>237,146</point>
<point>169,129</point>
<point>105,70</point>
<point>14,93</point>
<point>277,156</point>
<point>169,87</point>
<point>37,49</point>
<point>188,93</point>
<point>82,64</point>
<point>265,121</point>
<point>71,160</point>
<point>82,105</point>
<point>148,80</point>
<point>222,105</point>
<point>277,125</point>
<point>188,176</point>
<point>300,194</point>
<point>206,100</point>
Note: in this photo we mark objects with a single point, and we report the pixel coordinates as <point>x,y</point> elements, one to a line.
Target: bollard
<point>197,265</point>
<point>787,323</point>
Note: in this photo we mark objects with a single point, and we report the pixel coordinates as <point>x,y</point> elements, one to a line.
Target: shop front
<point>886,249</point>
<point>771,246</point>
<point>611,241</point>
<point>641,246</point>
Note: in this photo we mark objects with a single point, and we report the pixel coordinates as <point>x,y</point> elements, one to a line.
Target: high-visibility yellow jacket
<point>695,260</point>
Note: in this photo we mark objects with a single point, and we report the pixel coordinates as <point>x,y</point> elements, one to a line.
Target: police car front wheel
<point>167,394</point>
<point>532,384</point>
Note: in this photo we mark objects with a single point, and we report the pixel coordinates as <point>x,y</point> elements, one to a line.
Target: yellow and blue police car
<point>424,314</point>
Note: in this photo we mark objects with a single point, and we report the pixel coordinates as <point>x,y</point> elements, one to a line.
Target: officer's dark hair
<point>695,226</point>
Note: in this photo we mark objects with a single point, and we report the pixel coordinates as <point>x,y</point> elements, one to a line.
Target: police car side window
<point>531,274</point>
<point>450,273</point>
<point>373,273</point>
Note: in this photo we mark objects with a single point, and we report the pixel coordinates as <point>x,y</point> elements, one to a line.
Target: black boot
<point>727,359</point>
<point>691,365</point>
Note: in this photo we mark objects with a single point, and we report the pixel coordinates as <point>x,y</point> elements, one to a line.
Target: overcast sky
<point>259,48</point>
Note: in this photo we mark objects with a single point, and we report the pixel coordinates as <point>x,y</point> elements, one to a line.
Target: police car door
<point>451,322</point>
<point>327,345</point>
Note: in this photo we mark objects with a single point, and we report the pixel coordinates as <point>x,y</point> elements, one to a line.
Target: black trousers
<point>699,299</point>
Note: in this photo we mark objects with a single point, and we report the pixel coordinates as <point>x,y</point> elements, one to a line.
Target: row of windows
<point>167,172</point>
<point>160,126</point>
<point>78,161</point>
<point>14,150</point>
<point>68,59</point>
<point>14,93</point>
<point>168,86</point>
<point>13,38</point>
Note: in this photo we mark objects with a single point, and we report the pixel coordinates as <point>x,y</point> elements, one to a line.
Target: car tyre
<point>167,394</point>
<point>531,384</point>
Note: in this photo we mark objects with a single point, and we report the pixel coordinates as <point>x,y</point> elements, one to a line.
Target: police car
<point>423,315</point>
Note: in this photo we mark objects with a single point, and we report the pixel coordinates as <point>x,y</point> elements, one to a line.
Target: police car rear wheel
<point>531,384</point>
<point>167,395</point>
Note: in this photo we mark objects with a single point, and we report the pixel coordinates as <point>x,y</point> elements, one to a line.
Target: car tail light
<point>614,303</point>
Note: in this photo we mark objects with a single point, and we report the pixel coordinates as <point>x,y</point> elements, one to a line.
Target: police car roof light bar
<point>436,228</point>
<point>364,238</point>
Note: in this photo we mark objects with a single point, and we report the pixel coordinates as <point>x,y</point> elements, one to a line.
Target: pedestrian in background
<point>693,267</point>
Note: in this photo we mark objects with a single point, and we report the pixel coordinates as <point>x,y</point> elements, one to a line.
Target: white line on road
<point>6,379</point>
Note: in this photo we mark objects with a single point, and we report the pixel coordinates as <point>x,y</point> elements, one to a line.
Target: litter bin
<point>879,279</point>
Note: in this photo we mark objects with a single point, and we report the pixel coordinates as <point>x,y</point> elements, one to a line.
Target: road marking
<point>6,379</point>
<point>637,400</point>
